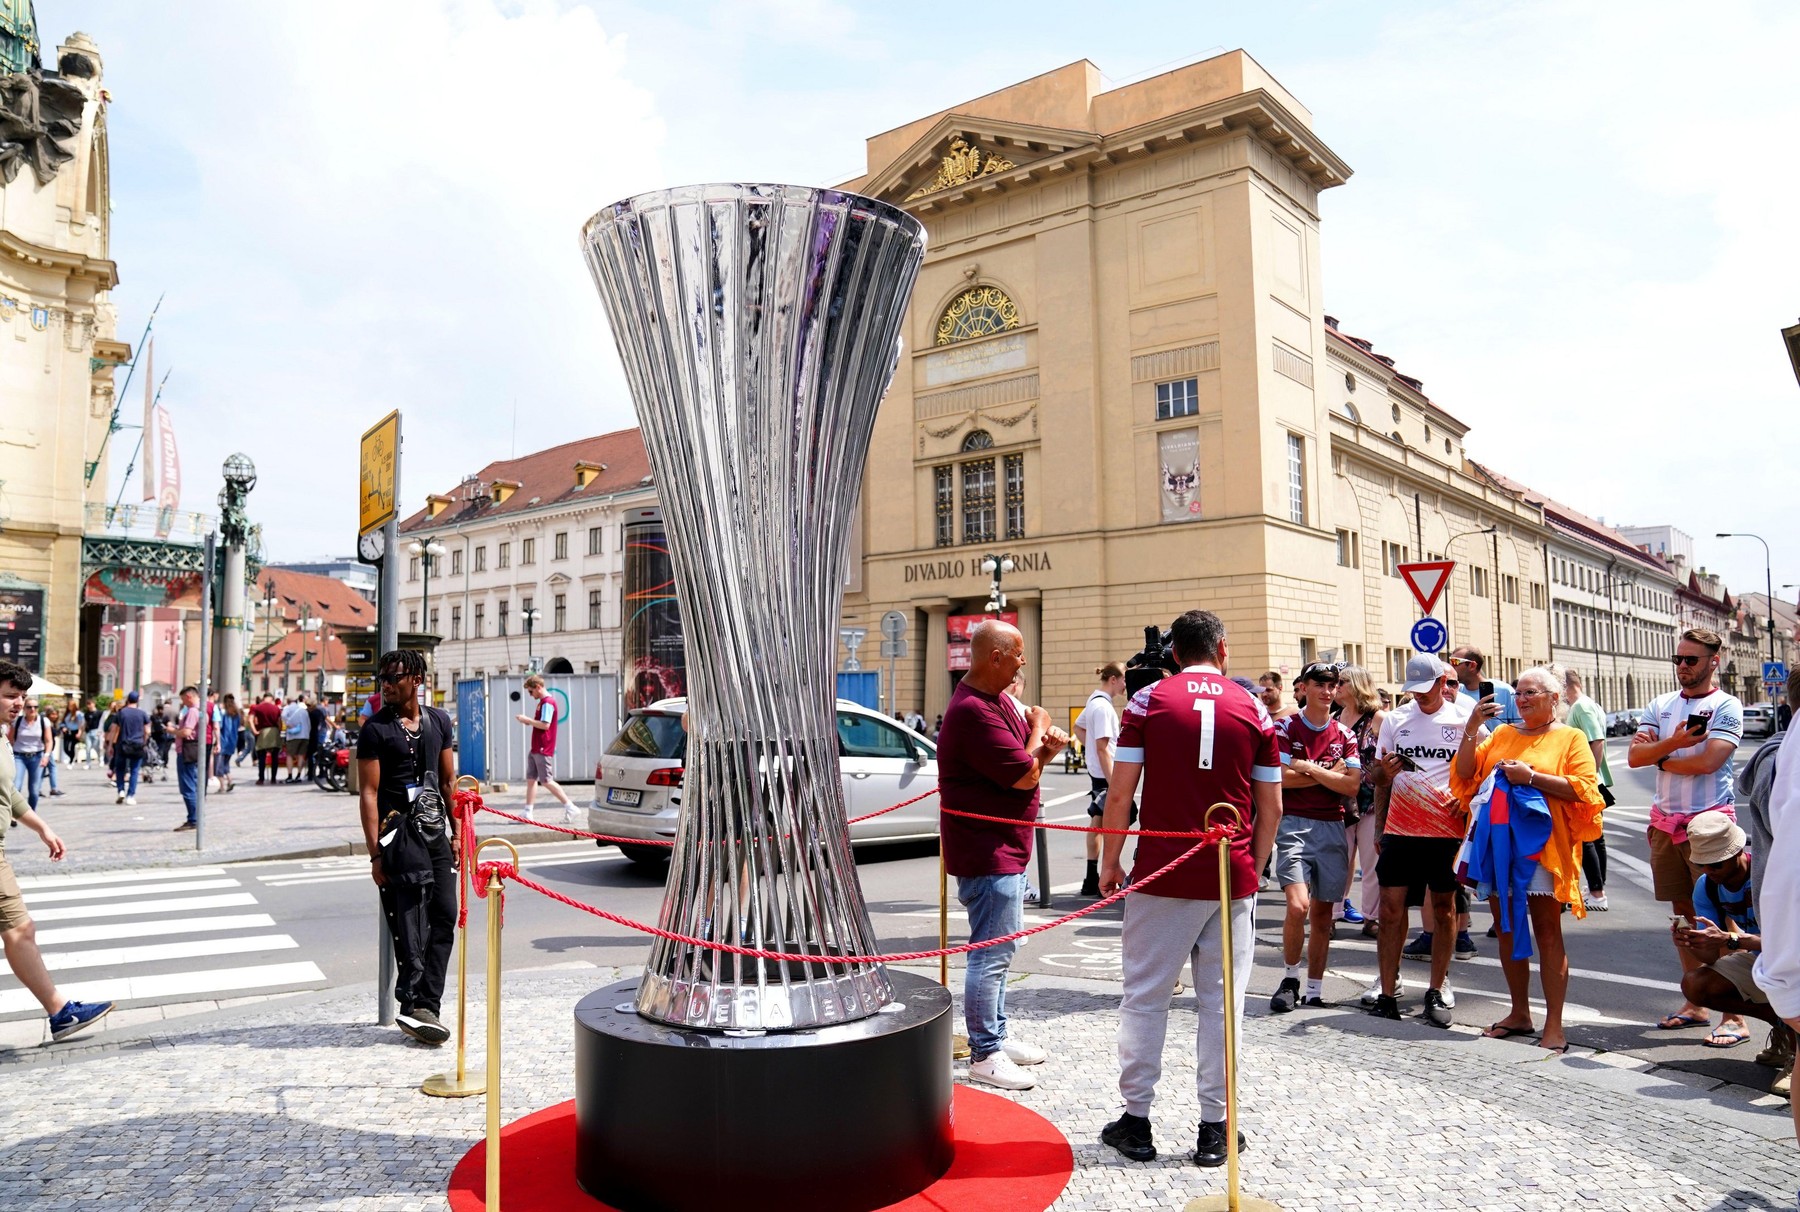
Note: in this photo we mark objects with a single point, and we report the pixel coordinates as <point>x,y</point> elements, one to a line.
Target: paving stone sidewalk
<point>300,1103</point>
<point>251,822</point>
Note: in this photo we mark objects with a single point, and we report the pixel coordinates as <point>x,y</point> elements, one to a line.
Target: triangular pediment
<point>960,149</point>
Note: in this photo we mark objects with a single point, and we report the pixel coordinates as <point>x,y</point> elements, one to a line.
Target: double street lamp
<point>999,564</point>
<point>426,550</point>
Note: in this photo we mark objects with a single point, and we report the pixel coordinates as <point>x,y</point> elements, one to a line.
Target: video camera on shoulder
<point>1148,667</point>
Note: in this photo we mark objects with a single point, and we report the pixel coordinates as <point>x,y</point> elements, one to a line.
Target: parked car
<point>638,780</point>
<point>1759,720</point>
<point>1623,723</point>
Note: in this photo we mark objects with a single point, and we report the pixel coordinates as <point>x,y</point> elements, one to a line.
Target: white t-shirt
<point>1686,794</point>
<point>1098,719</point>
<point>1420,803</point>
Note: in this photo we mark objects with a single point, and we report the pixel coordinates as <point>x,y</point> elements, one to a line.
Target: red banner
<point>961,627</point>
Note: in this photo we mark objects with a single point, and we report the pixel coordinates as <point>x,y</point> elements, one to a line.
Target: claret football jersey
<point>1202,740</point>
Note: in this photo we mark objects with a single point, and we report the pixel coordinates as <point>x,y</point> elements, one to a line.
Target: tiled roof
<point>1367,348</point>
<point>1573,522</point>
<point>330,599</point>
<point>547,477</point>
<point>269,660</point>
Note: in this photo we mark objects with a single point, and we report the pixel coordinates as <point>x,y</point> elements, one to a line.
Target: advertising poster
<point>22,626</point>
<point>961,627</point>
<point>655,659</point>
<point>1178,456</point>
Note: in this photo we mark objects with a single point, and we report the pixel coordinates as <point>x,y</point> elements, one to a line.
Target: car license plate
<point>624,797</point>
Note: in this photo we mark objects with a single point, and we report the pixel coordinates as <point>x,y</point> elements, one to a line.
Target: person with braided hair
<point>406,766</point>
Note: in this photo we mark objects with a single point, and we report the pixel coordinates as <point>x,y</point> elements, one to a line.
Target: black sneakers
<point>1386,1006</point>
<point>1435,1012</point>
<point>422,1025</point>
<point>1130,1135</point>
<point>1315,1003</point>
<point>1209,1145</point>
<point>1287,996</point>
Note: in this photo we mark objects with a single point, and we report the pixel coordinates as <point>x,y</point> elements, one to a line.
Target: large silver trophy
<point>759,326</point>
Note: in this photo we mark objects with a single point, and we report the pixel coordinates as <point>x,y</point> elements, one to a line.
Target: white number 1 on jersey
<point>1206,709</point>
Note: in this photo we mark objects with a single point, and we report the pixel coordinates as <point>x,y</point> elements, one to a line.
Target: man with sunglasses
<point>1320,770</point>
<point>406,766</point>
<point>1689,735</point>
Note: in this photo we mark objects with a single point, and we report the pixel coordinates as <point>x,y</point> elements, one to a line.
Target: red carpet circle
<point>1008,1159</point>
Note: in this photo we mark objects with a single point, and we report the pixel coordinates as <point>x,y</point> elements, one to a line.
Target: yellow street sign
<point>380,462</point>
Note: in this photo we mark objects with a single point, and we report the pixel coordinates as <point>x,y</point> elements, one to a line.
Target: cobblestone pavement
<point>249,823</point>
<point>299,1103</point>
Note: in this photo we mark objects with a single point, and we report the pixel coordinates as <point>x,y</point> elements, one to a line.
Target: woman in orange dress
<point>1543,752</point>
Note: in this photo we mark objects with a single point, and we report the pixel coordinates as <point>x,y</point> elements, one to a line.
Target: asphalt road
<point>169,936</point>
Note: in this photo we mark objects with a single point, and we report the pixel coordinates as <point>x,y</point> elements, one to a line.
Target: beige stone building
<point>1118,371</point>
<point>57,354</point>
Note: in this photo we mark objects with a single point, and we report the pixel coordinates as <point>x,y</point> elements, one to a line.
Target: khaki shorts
<point>296,746</point>
<point>1739,967</point>
<point>12,901</point>
<point>1670,871</point>
<point>537,767</point>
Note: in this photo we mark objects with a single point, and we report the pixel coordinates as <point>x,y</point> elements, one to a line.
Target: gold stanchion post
<point>959,1043</point>
<point>463,1082</point>
<point>496,905</point>
<point>1233,1200</point>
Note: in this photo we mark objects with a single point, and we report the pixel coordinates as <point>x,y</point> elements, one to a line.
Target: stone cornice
<point>101,273</point>
<point>1348,439</point>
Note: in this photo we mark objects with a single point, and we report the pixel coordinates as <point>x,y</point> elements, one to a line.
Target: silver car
<point>638,781</point>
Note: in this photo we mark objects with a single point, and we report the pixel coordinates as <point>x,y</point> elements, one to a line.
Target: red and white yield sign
<point>1426,580</point>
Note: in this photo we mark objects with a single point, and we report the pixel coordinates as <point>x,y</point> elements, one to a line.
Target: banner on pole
<point>168,473</point>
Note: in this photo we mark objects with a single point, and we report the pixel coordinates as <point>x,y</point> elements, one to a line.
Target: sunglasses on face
<point>1689,661</point>
<point>1464,661</point>
<point>392,679</point>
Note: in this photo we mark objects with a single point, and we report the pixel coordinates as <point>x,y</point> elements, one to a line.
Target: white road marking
<point>174,985</point>
<point>105,957</point>
<point>153,929</point>
<point>94,894</point>
<point>29,882</point>
<point>175,905</point>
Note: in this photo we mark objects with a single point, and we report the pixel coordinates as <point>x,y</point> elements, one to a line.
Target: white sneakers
<point>131,800</point>
<point>1004,1068</point>
<point>571,815</point>
<point>1374,991</point>
<point>1445,993</point>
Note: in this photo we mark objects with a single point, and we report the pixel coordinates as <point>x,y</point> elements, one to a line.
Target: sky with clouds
<point>1574,221</point>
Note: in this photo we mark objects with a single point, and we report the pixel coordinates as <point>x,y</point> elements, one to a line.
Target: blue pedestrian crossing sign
<point>1429,635</point>
<point>1775,673</point>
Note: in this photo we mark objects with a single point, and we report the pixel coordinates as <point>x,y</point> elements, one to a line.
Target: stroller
<point>156,753</point>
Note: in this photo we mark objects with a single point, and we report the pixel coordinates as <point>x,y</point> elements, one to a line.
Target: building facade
<point>1118,372</point>
<point>536,541</point>
<point>57,349</point>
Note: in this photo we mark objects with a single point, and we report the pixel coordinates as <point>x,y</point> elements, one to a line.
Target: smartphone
<point>1697,722</point>
<point>1406,763</point>
<point>1485,690</point>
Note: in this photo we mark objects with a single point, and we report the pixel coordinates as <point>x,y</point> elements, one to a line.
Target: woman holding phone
<point>1542,752</point>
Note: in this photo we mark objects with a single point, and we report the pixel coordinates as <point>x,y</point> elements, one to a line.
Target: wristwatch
<point>1731,942</point>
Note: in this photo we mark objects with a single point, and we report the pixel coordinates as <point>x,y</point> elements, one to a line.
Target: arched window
<point>977,312</point>
<point>978,439</point>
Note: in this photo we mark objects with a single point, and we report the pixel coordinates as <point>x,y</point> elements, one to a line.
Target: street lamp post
<point>531,616</point>
<point>426,550</point>
<point>1447,545</point>
<point>1768,577</point>
<point>305,626</point>
<point>999,564</point>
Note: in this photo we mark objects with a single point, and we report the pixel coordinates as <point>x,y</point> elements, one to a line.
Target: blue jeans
<point>123,766</point>
<point>188,775</point>
<point>996,905</point>
<point>33,766</point>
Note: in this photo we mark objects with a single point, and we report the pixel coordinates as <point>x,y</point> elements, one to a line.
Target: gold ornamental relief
<point>977,312</point>
<point>962,164</point>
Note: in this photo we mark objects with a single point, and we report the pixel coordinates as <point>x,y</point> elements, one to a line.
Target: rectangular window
<point>596,540</point>
<point>480,627</point>
<point>412,620</point>
<point>1396,663</point>
<point>1180,398</point>
<point>1538,598</point>
<point>1509,588</point>
<point>559,612</point>
<point>559,545</point>
<point>978,501</point>
<point>505,609</point>
<point>1349,549</point>
<point>1296,479</point>
<point>1309,652</point>
<point>456,562</point>
<point>505,558</point>
<point>481,558</point>
<point>456,622</point>
<point>944,498</point>
<point>1478,581</point>
<point>434,621</point>
<point>527,551</point>
<point>1015,496</point>
<point>412,569</point>
<point>593,610</point>
<point>1392,556</point>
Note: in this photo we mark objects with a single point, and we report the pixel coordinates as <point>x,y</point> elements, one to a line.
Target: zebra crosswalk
<point>155,937</point>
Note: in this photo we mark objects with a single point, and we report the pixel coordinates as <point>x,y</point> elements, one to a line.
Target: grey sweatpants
<point>1162,933</point>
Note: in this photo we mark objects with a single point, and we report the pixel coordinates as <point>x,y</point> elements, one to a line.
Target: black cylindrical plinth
<point>842,1119</point>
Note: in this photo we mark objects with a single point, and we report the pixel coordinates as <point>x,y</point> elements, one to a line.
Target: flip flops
<point>1675,1022</point>
<point>1725,1037</point>
<point>1502,1031</point>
